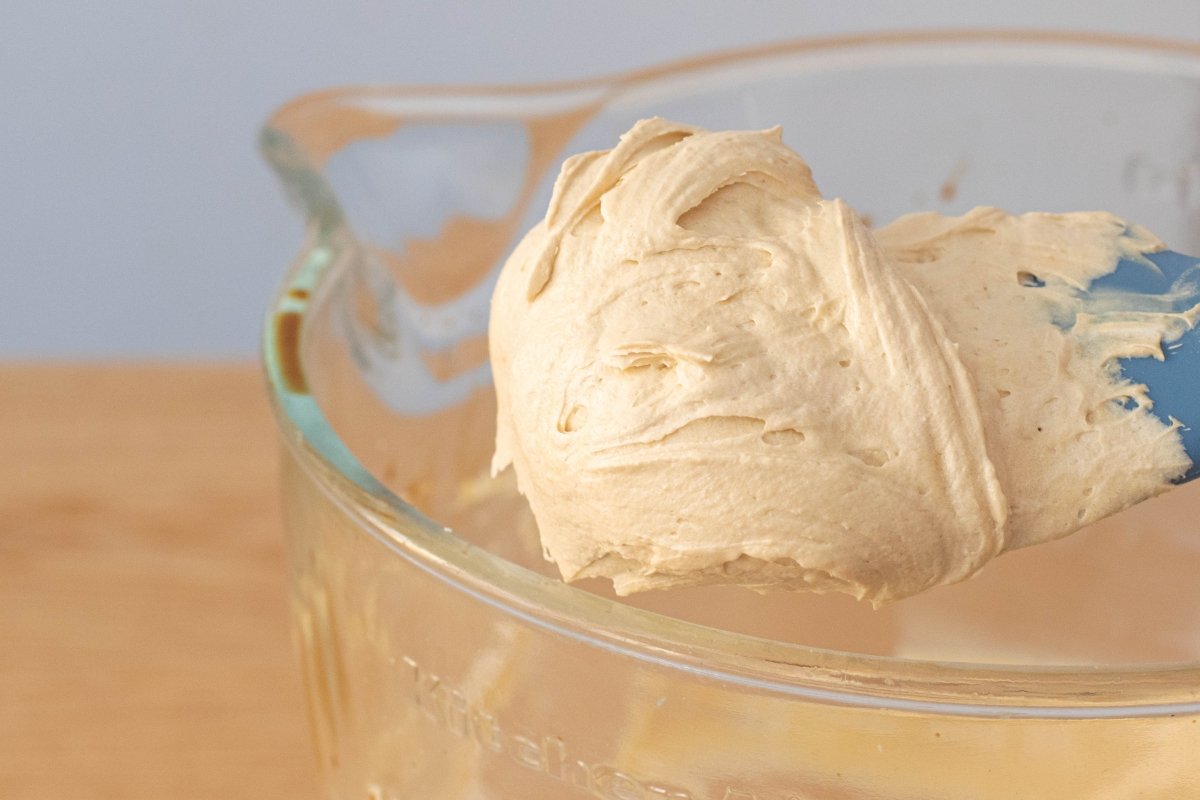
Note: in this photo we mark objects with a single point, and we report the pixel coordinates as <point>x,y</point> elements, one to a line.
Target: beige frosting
<point>706,373</point>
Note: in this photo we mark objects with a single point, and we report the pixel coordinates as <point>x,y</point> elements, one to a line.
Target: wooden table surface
<point>144,641</point>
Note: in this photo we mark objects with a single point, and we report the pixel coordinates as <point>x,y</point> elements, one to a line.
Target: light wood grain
<point>144,644</point>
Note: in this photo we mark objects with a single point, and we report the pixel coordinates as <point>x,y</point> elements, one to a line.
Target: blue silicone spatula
<point>1172,281</point>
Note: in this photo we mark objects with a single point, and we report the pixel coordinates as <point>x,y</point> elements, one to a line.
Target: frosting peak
<point>707,372</point>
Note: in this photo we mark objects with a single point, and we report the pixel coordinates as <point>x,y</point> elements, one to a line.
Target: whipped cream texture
<point>707,372</point>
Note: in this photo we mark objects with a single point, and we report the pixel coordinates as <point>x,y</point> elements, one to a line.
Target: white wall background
<point>136,218</point>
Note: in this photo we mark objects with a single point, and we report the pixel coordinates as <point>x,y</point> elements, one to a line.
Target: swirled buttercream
<point>706,372</point>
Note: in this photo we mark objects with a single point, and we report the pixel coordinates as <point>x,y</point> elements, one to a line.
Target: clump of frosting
<point>706,372</point>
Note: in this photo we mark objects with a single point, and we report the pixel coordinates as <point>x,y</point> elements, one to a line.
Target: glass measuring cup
<point>441,657</point>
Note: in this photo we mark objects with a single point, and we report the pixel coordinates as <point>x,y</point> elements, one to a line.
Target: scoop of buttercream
<point>708,373</point>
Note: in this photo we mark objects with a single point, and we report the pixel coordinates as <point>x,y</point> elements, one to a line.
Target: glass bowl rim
<point>956,688</point>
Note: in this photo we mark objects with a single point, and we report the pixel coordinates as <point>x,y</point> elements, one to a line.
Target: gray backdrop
<point>136,218</point>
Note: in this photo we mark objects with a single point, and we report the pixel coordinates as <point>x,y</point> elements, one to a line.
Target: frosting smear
<point>706,372</point>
